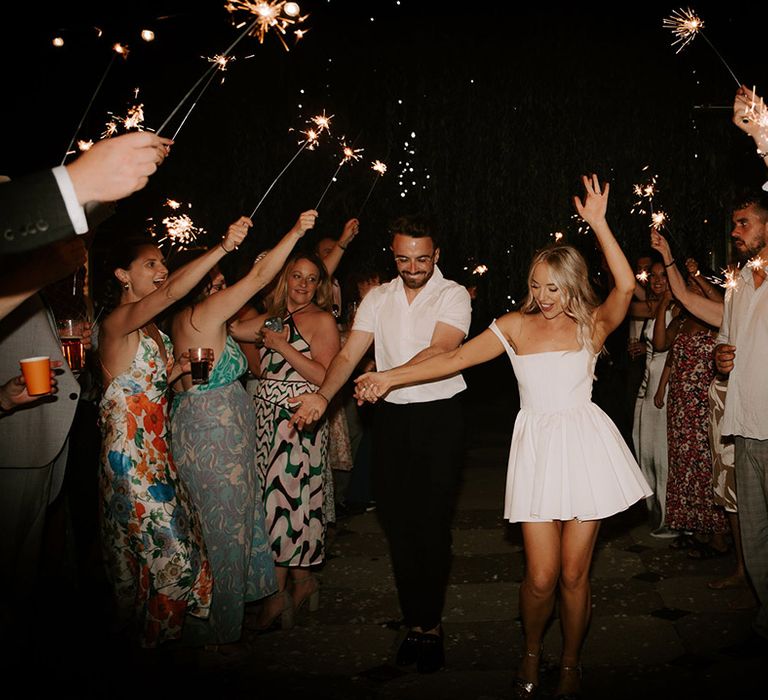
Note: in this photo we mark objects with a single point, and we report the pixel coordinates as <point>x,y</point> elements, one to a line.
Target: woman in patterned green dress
<point>155,557</point>
<point>214,446</point>
<point>293,361</point>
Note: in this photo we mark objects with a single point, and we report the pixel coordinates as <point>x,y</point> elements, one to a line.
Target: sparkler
<point>480,270</point>
<point>219,62</point>
<point>180,231</point>
<point>349,154</point>
<point>117,50</point>
<point>730,278</point>
<point>205,75</point>
<point>642,276</point>
<point>686,26</point>
<point>323,123</point>
<point>278,15</point>
<point>379,168</point>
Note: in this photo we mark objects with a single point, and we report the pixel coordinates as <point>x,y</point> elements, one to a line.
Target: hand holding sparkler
<point>659,243</point>
<point>692,267</point>
<point>117,167</point>
<point>351,229</point>
<point>305,222</point>
<point>235,234</point>
<point>750,114</point>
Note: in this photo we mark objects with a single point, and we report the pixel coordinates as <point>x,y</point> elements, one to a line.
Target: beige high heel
<point>285,614</point>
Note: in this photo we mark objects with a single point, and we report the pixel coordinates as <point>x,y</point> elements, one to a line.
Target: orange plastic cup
<point>37,375</point>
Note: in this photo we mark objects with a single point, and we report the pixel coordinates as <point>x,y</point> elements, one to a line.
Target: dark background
<point>508,106</point>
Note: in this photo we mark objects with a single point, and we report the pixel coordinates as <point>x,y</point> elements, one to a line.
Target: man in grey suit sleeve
<point>50,205</point>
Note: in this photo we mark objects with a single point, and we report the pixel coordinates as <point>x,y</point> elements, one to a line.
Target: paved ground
<point>656,631</point>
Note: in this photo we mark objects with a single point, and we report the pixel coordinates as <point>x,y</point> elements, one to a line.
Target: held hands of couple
<point>370,387</point>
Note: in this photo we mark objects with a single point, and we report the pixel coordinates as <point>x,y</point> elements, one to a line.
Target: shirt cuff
<point>68,194</point>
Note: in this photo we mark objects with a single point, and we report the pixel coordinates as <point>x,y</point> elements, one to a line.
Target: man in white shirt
<point>740,354</point>
<point>418,430</point>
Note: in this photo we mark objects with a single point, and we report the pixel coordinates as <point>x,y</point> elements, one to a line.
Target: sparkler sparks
<point>686,26</point>
<point>84,145</point>
<point>642,276</point>
<point>277,14</point>
<point>348,154</point>
<point>729,274</point>
<point>311,138</point>
<point>379,167</point>
<point>757,263</point>
<point>658,220</point>
<point>179,231</point>
<point>480,270</point>
<point>645,192</point>
<point>219,61</point>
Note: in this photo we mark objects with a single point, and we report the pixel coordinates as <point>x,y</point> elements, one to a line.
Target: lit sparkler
<point>379,168</point>
<point>310,143</point>
<point>179,231</point>
<point>642,276</point>
<point>84,145</point>
<point>645,192</point>
<point>117,50</point>
<point>205,75</point>
<point>658,220</point>
<point>558,236</point>
<point>729,274</point>
<point>686,26</point>
<point>277,15</point>
<point>757,263</point>
<point>480,270</point>
<point>219,62</point>
<point>349,154</point>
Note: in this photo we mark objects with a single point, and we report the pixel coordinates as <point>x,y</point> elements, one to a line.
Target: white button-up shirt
<point>402,330</point>
<point>745,325</point>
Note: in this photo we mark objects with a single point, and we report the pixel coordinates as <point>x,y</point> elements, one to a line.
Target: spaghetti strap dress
<point>151,533</point>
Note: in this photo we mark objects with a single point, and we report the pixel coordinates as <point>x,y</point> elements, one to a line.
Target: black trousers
<point>418,455</point>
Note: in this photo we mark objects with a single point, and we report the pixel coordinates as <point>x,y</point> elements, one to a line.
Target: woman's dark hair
<point>120,256</point>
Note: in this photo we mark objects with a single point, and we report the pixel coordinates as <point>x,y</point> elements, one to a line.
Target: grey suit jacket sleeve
<point>32,213</point>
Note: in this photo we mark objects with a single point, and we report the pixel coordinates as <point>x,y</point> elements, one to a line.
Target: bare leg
<point>738,579</point>
<point>273,605</point>
<point>537,592</point>
<point>578,543</point>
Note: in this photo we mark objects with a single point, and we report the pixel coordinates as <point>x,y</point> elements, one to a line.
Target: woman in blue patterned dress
<point>293,361</point>
<point>154,553</point>
<point>214,446</point>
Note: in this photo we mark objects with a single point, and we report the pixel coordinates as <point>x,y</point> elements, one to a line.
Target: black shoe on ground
<point>431,653</point>
<point>408,652</point>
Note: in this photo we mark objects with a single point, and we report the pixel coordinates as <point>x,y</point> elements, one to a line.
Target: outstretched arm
<point>709,310</point>
<point>750,114</point>
<point>332,260</point>
<point>217,308</point>
<point>128,317</point>
<point>484,347</point>
<point>613,310</point>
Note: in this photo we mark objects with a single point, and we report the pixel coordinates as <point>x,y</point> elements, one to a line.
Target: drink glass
<point>37,375</point>
<point>201,360</point>
<point>70,334</point>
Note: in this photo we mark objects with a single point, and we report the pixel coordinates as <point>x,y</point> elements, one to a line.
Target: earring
<point>126,285</point>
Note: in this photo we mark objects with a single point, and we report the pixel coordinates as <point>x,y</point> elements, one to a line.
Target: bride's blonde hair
<point>568,271</point>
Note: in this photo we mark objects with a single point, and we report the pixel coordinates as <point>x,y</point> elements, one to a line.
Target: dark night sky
<point>508,108</point>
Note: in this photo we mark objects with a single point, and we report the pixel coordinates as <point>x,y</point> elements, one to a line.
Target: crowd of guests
<point>215,496</point>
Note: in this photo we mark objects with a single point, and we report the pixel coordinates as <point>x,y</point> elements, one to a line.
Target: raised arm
<point>750,114</point>
<point>218,308</point>
<point>332,260</point>
<point>612,311</point>
<point>709,310</point>
<point>128,317</point>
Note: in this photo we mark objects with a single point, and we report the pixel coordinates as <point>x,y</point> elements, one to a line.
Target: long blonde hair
<point>323,295</point>
<point>568,271</point>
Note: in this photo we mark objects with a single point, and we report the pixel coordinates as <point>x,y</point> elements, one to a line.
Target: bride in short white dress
<point>567,459</point>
